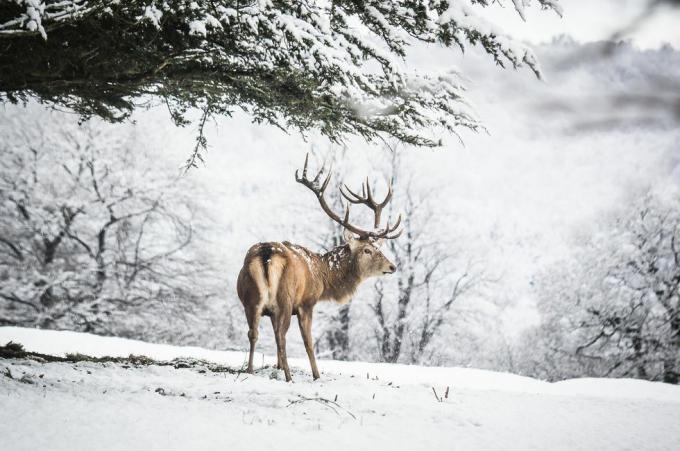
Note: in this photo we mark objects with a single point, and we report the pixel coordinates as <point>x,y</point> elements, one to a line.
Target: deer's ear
<point>349,238</point>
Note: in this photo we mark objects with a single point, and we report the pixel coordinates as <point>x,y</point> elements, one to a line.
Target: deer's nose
<point>393,268</point>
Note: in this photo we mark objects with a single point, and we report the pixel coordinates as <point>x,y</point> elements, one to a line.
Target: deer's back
<point>294,269</point>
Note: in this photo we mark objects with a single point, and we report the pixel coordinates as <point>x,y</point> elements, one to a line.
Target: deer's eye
<point>367,251</point>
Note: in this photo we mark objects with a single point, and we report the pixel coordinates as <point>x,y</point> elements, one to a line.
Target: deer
<point>282,279</point>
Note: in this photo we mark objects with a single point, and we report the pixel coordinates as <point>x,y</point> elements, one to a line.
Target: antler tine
<point>352,196</point>
<point>394,227</point>
<point>346,220</point>
<point>396,235</point>
<point>304,171</point>
<point>385,234</point>
<point>396,224</point>
<point>369,196</point>
<point>313,184</point>
<point>385,201</point>
<point>318,174</point>
<point>327,179</point>
<point>388,197</point>
<point>366,196</point>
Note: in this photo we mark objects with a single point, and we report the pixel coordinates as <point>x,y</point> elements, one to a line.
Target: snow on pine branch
<point>35,12</point>
<point>345,59</point>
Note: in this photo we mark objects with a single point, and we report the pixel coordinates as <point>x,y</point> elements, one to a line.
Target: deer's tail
<point>266,273</point>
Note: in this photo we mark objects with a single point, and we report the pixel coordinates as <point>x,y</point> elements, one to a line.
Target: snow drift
<point>90,405</point>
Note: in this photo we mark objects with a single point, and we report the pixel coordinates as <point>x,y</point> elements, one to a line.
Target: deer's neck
<point>341,276</point>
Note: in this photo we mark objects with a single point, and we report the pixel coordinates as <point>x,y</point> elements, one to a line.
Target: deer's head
<point>363,244</point>
<point>367,257</point>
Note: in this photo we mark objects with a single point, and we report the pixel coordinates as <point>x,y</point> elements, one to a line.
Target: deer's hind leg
<point>279,364</point>
<point>253,314</point>
<point>281,323</point>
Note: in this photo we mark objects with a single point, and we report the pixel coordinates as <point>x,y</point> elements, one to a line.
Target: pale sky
<point>592,20</point>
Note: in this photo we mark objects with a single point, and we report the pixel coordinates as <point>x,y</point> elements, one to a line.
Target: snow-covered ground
<point>85,406</point>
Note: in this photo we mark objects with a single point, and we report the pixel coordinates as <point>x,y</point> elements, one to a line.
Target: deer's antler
<point>366,198</point>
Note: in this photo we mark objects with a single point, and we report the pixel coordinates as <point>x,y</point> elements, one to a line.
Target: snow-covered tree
<point>614,308</point>
<point>336,66</point>
<point>94,234</point>
<point>410,311</point>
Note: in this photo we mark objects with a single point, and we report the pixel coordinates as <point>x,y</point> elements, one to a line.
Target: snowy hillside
<point>190,405</point>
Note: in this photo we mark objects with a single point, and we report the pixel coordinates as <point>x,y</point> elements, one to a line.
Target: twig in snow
<point>436,395</point>
<point>324,402</point>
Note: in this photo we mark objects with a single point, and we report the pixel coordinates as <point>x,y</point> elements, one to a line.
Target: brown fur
<point>283,279</point>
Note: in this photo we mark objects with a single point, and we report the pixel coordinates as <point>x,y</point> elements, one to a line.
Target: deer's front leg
<point>305,322</point>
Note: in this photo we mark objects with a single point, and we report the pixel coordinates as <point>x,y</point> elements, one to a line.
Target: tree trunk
<point>101,266</point>
<point>337,337</point>
<point>392,342</point>
<point>671,364</point>
<point>640,368</point>
<point>51,248</point>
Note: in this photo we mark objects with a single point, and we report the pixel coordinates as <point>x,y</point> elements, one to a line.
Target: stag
<point>280,280</point>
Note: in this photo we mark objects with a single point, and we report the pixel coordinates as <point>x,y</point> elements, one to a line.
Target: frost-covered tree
<point>92,239</point>
<point>614,308</point>
<point>410,310</point>
<point>332,65</point>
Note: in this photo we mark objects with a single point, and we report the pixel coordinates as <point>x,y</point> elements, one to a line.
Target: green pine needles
<point>336,66</point>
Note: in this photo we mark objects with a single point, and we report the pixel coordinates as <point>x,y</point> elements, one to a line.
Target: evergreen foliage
<point>334,66</point>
